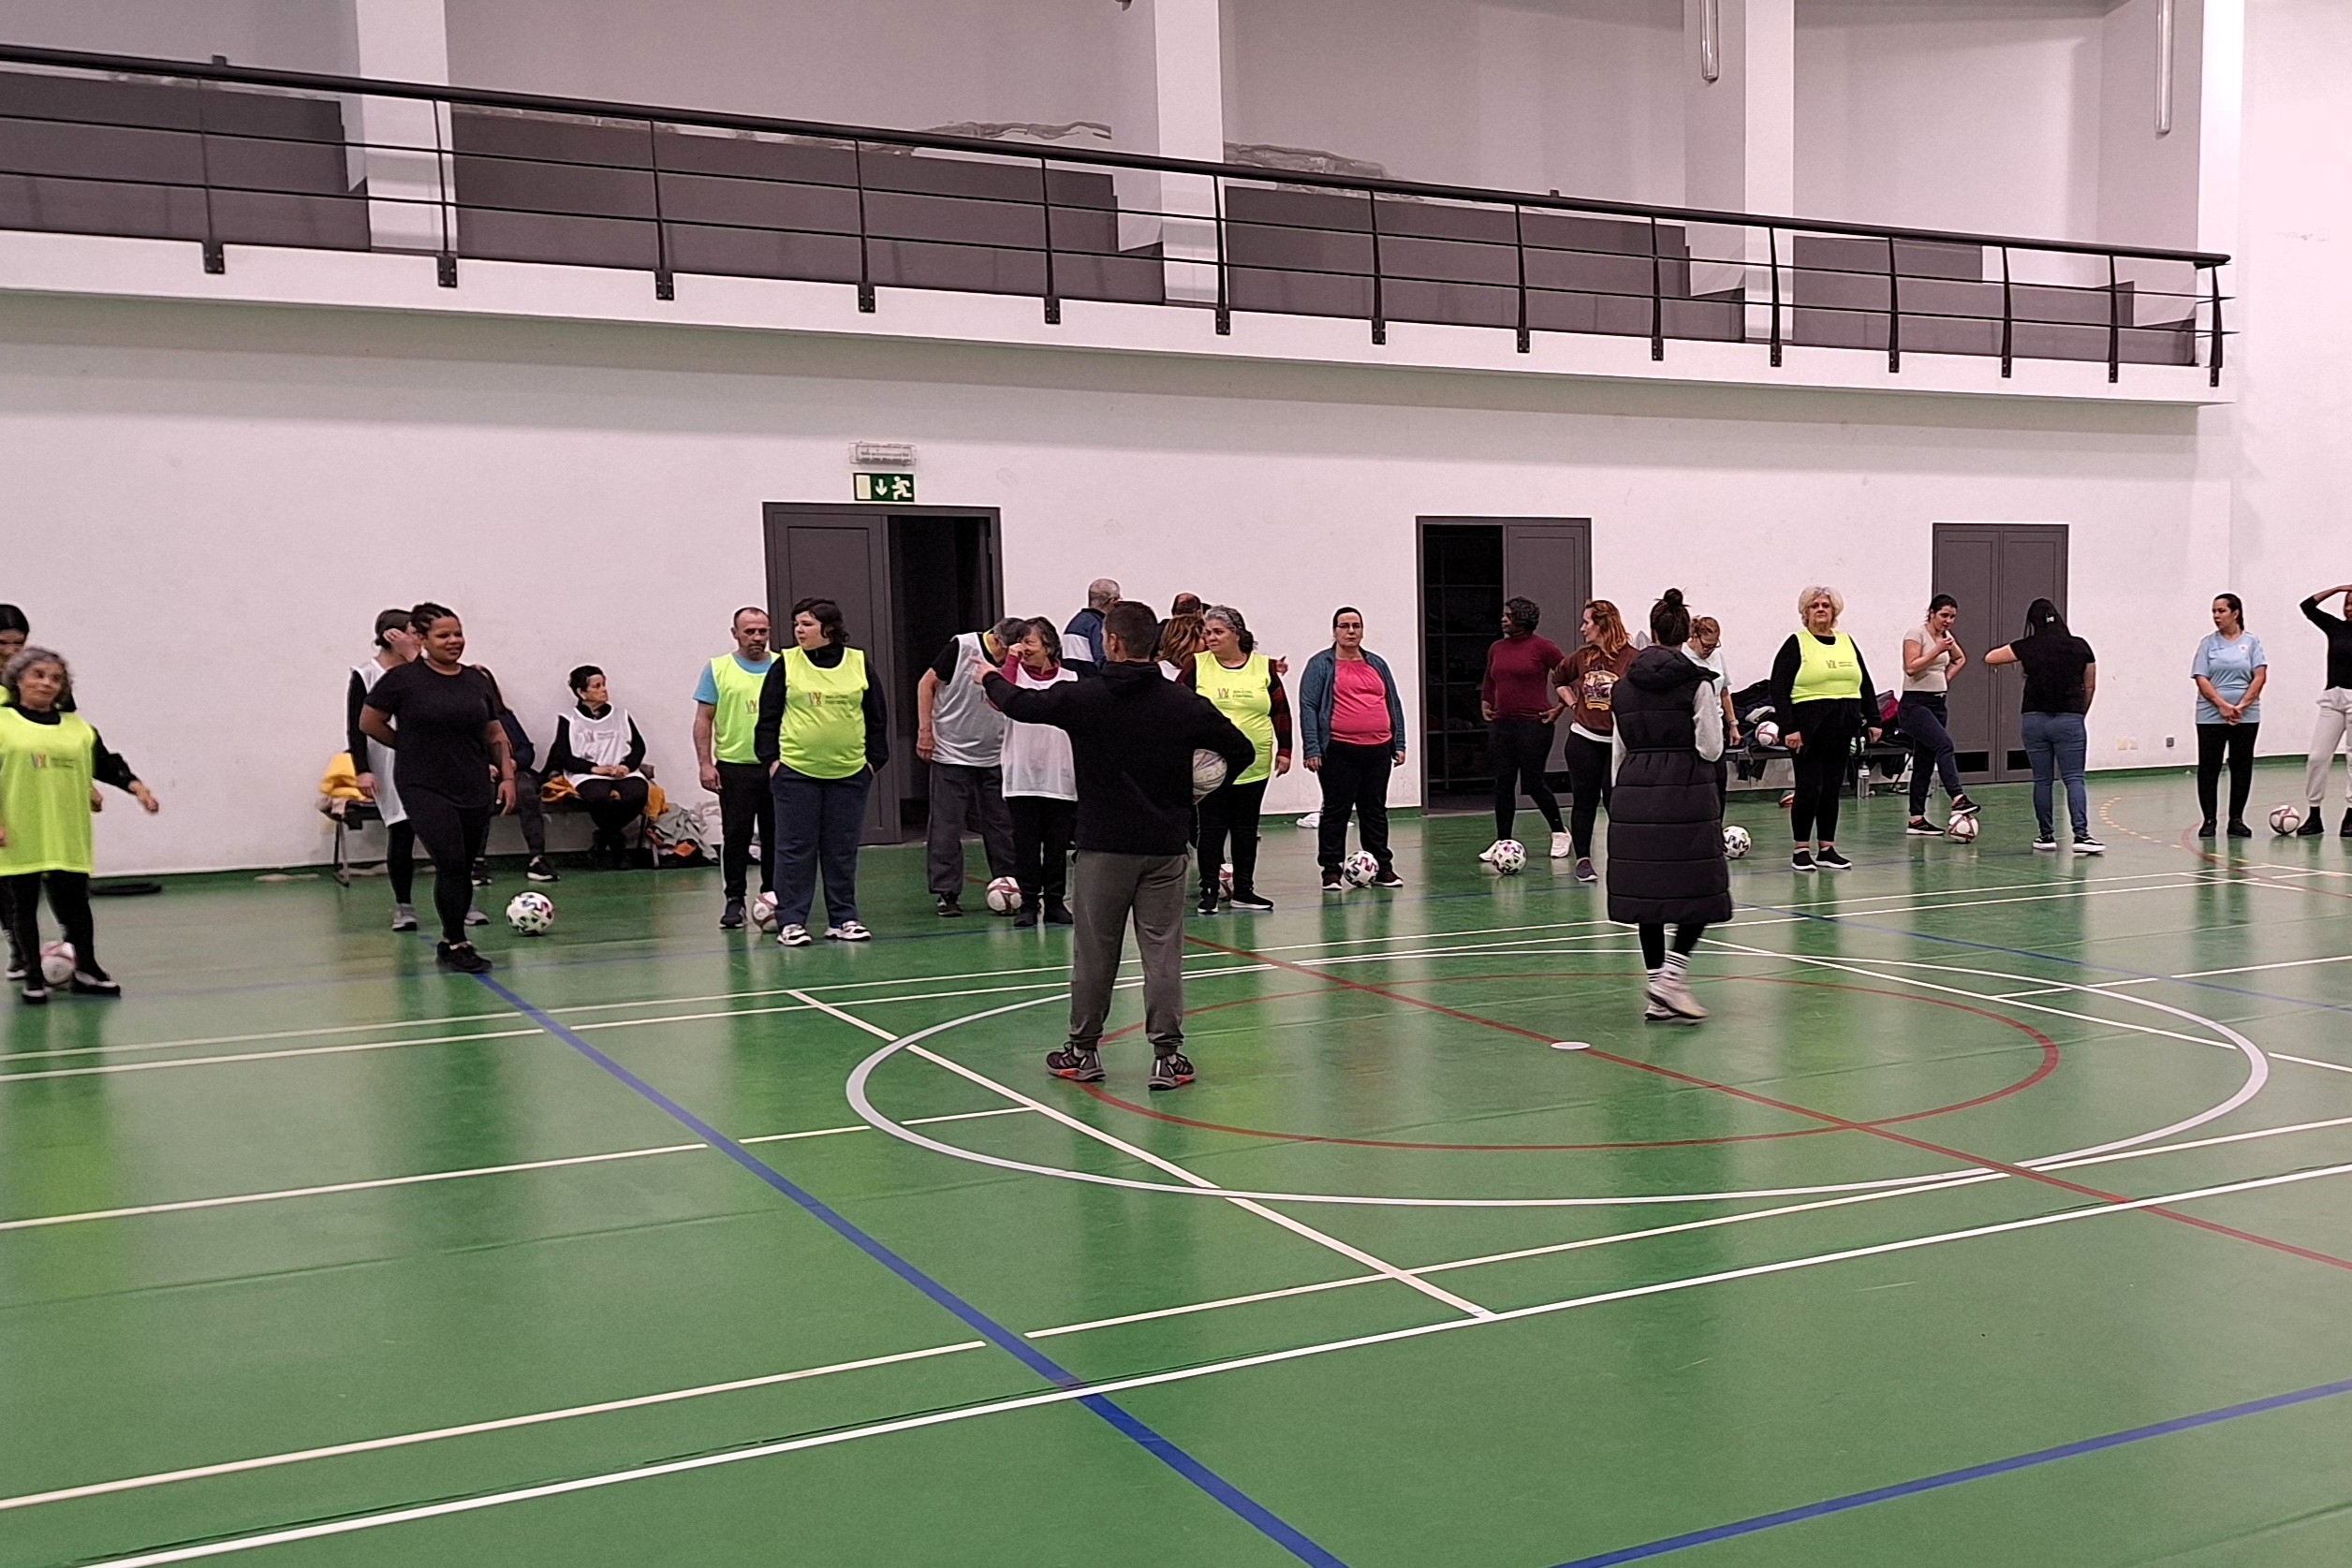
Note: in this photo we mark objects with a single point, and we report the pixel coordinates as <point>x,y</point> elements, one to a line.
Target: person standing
<point>440,715</point>
<point>2062,676</point>
<point>1040,783</point>
<point>1518,703</point>
<point>1583,681</point>
<point>1354,722</point>
<point>50,759</point>
<point>1245,688</point>
<point>1132,733</point>
<point>2335,710</point>
<point>726,713</point>
<point>963,739</point>
<point>2230,670</point>
<point>1666,861</point>
<point>1705,649</point>
<point>1931,657</point>
<point>372,761</point>
<point>600,751</point>
<point>1822,693</point>
<point>823,735</point>
<point>1082,638</point>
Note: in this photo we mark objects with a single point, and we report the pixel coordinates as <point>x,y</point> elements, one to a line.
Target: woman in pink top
<point>1519,704</point>
<point>1354,738</point>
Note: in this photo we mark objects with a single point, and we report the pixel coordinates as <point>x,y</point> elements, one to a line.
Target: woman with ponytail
<point>2062,676</point>
<point>1931,657</point>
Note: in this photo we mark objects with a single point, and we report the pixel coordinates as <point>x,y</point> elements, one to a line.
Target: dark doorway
<point>1469,566</point>
<point>1996,570</point>
<point>907,579</point>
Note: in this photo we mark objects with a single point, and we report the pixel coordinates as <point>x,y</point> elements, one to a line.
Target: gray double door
<point>1469,566</point>
<point>1996,570</point>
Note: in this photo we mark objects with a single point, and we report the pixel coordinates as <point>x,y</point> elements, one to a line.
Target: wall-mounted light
<point>2164,67</point>
<point>1711,39</point>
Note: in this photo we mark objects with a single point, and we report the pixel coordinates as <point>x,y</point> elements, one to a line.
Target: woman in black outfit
<point>449,742</point>
<point>1822,692</point>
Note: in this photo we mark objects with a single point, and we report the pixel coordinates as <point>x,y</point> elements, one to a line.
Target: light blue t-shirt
<point>2231,667</point>
<point>707,689</point>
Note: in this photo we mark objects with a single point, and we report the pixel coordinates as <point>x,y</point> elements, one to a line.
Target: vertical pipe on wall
<point>2164,66</point>
<point>1709,40</point>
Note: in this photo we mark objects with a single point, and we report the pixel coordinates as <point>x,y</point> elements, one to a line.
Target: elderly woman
<point>1822,693</point>
<point>50,756</point>
<point>1244,686</point>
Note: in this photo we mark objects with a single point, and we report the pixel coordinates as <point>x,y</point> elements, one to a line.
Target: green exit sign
<point>884,486</point>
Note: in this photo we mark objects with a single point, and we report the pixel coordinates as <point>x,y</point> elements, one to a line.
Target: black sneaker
<point>1172,1071</point>
<point>2346,831</point>
<point>36,991</point>
<point>2047,843</point>
<point>1828,859</point>
<point>951,907</point>
<point>1058,913</point>
<point>461,956</point>
<point>1921,828</point>
<point>1963,806</point>
<point>2312,825</point>
<point>1332,883</point>
<point>1025,917</point>
<point>481,873</point>
<point>1209,901</point>
<point>94,982</point>
<point>403,918</point>
<point>1253,900</point>
<point>539,871</point>
<point>1584,871</point>
<point>2240,830</point>
<point>1388,879</point>
<point>1802,860</point>
<point>2205,829</point>
<point>1079,1066</point>
<point>731,918</point>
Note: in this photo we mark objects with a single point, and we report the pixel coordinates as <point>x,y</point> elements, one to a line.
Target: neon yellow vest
<point>1826,671</point>
<point>1243,696</point>
<point>737,714</point>
<point>45,794</point>
<point>823,731</point>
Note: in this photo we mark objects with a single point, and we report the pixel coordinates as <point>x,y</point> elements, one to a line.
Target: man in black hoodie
<point>1132,738</point>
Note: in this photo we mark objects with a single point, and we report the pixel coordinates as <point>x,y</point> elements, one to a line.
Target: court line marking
<point>2310,1062</point>
<point>1296,1228</point>
<point>635,1401</point>
<point>1084,1392</point>
<point>2252,968</point>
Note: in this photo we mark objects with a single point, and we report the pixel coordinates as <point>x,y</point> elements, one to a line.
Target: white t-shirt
<point>1931,678</point>
<point>1036,757</point>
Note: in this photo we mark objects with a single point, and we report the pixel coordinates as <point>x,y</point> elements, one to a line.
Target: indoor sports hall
<point>1490,784</point>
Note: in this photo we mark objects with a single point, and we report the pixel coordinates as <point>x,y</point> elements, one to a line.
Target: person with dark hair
<point>1040,783</point>
<point>1244,686</point>
<point>2336,710</point>
<point>1931,657</point>
<point>1583,681</point>
<point>2230,670</point>
<point>1185,603</point>
<point>1822,694</point>
<point>1082,638</point>
<point>1354,720</point>
<point>599,751</point>
<point>529,810</point>
<point>2062,676</point>
<point>372,761</point>
<point>14,629</point>
<point>823,735</point>
<point>1133,733</point>
<point>1665,861</point>
<point>726,714</point>
<point>51,760</point>
<point>1705,649</point>
<point>1518,704</point>
<point>963,739</point>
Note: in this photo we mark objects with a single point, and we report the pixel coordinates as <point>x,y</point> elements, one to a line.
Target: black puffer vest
<point>1665,864</point>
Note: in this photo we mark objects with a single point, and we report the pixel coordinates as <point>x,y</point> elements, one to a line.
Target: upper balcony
<point>125,176</point>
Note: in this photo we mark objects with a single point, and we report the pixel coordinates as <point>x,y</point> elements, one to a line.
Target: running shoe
<point>1963,806</point>
<point>1208,901</point>
<point>1562,847</point>
<point>2084,845</point>
<point>1333,883</point>
<point>848,931</point>
<point>2205,829</point>
<point>2312,825</point>
<point>951,907</point>
<point>1079,1065</point>
<point>1312,819</point>
<point>2346,831</point>
<point>1658,1012</point>
<point>1828,859</point>
<point>36,991</point>
<point>1256,902</point>
<point>793,936</point>
<point>731,918</point>
<point>481,873</point>
<point>1058,913</point>
<point>1671,992</point>
<point>1172,1071</point>
<point>475,916</point>
<point>1025,917</point>
<point>1388,879</point>
<point>1802,860</point>
<point>461,956</point>
<point>2047,843</point>
<point>1486,856</point>
<point>16,968</point>
<point>2240,830</point>
<point>1921,828</point>
<point>539,871</point>
<point>403,918</point>
<point>1584,871</point>
<point>94,982</point>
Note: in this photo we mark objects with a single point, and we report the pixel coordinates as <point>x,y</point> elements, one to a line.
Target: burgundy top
<point>1517,682</point>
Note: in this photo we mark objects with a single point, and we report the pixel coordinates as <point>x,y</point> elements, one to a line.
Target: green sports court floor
<point>1997,1217</point>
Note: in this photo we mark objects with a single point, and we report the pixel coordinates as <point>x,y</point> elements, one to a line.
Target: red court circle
<point>2042,1069</point>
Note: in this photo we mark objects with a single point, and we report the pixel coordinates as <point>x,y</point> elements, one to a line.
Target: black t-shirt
<point>2054,666</point>
<point>441,720</point>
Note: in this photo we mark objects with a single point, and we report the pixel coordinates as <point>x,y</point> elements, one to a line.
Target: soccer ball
<point>530,914</point>
<point>2286,819</point>
<point>1358,869</point>
<point>1767,734</point>
<point>57,963</point>
<point>1509,857</point>
<point>1962,829</point>
<point>1208,773</point>
<point>1225,879</point>
<point>763,913</point>
<point>1736,842</point>
<point>1004,896</point>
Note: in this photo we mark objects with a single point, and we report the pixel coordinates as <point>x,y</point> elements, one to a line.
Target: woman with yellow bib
<point>1822,692</point>
<point>1245,687</point>
<point>823,736</point>
<point>49,758</point>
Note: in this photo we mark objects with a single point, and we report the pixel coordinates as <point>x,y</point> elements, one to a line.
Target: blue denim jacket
<point>1316,688</point>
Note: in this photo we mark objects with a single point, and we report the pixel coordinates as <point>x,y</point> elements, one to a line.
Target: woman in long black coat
<point>1665,864</point>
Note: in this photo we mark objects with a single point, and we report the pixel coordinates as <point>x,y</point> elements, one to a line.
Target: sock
<point>1655,974</point>
<point>1675,964</point>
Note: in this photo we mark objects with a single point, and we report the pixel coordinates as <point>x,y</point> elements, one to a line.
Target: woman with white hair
<point>1822,693</point>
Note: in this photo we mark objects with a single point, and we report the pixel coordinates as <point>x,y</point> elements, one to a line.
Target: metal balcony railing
<point>223,154</point>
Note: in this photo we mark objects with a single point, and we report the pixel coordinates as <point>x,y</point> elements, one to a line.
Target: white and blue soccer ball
<point>1359,869</point>
<point>530,914</point>
<point>1736,841</point>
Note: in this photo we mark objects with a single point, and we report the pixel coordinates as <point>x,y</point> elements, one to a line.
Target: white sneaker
<point>792,936</point>
<point>1562,847</point>
<point>1486,856</point>
<point>1674,993</point>
<point>1312,819</point>
<point>848,931</point>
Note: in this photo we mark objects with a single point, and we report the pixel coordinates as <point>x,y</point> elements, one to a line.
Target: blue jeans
<point>818,822</point>
<point>2056,746</point>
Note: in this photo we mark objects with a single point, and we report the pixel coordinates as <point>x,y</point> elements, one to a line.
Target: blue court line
<point>1127,1424</point>
<point>1954,1477</point>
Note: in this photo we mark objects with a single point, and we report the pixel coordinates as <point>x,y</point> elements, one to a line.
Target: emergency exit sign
<point>883,487</point>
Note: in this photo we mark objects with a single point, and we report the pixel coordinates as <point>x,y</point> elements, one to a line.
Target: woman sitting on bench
<point>599,749</point>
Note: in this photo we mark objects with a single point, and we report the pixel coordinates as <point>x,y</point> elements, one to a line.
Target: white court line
<point>2255,968</point>
<point>2309,1062</point>
<point>258,1056</point>
<point>1119,1386</point>
<point>1296,1228</point>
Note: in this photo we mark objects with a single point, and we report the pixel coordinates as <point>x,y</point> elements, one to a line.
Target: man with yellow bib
<point>1242,685</point>
<point>1822,693</point>
<point>822,736</point>
<point>726,712</point>
<point>49,758</point>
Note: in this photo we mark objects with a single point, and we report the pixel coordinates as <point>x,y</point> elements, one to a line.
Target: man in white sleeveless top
<point>962,736</point>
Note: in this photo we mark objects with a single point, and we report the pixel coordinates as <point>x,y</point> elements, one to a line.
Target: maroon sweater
<point>1517,682</point>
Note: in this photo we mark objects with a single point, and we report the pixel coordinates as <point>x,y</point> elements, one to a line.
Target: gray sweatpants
<point>1109,887</point>
<point>966,798</point>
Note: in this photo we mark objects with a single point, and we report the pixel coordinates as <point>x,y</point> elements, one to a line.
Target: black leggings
<point>1519,749</point>
<point>2213,741</point>
<point>453,836</point>
<point>1041,846</point>
<point>68,898</point>
<point>1588,787</point>
<point>400,860</point>
<point>612,803</point>
<point>1653,940</point>
<point>1828,732</point>
<point>1230,809</point>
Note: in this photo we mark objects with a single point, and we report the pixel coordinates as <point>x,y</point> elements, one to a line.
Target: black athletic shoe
<point>2312,826</point>
<point>539,871</point>
<point>731,918</point>
<point>1332,883</point>
<point>1828,859</point>
<point>1802,860</point>
<point>1058,913</point>
<point>1172,1071</point>
<point>1255,902</point>
<point>2205,829</point>
<point>1209,902</point>
<point>2240,830</point>
<point>461,956</point>
<point>1079,1066</point>
<point>36,991</point>
<point>951,907</point>
<point>1025,917</point>
<point>481,873</point>
<point>1963,806</point>
<point>2346,831</point>
<point>1921,828</point>
<point>94,982</point>
<point>1388,879</point>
